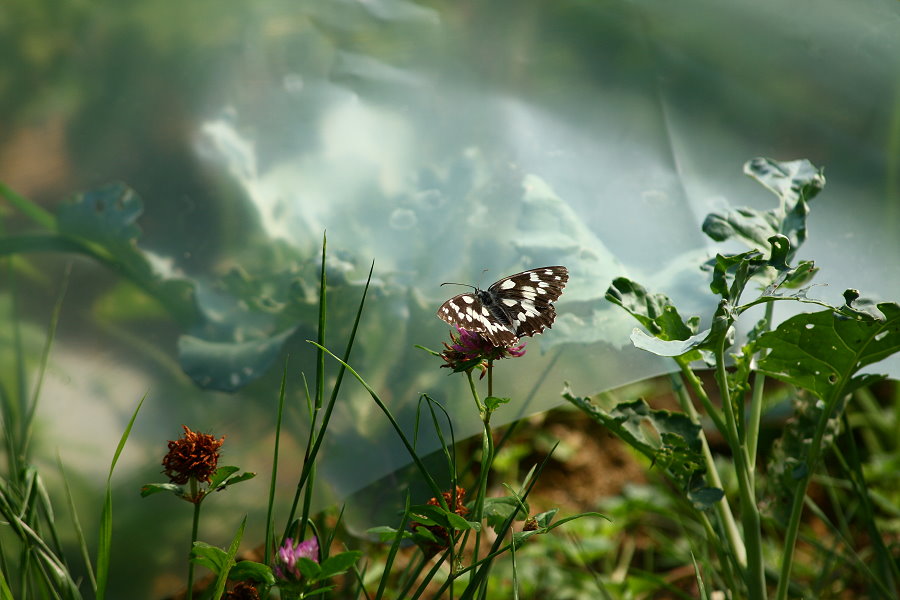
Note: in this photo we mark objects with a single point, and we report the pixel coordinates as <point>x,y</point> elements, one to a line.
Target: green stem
<point>487,458</point>
<point>711,411</point>
<point>474,391</point>
<point>194,528</point>
<point>723,508</point>
<point>755,573</point>
<point>31,210</point>
<point>756,403</point>
<point>835,393</point>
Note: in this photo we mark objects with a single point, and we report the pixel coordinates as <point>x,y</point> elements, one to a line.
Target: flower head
<point>430,548</point>
<point>469,349</point>
<point>288,555</point>
<point>193,455</point>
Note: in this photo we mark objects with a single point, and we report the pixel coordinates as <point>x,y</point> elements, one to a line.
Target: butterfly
<point>515,306</point>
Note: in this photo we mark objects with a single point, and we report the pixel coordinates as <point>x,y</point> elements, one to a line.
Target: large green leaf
<point>824,351</point>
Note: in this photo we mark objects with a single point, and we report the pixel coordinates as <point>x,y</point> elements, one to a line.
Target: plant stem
<point>474,391</point>
<point>487,458</point>
<point>835,393</point>
<point>194,528</point>
<point>723,508</point>
<point>756,403</point>
<point>755,572</point>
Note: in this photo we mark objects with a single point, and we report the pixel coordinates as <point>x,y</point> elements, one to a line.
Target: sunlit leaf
<point>818,351</point>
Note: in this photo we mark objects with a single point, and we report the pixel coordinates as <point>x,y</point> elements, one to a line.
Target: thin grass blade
<point>104,544</point>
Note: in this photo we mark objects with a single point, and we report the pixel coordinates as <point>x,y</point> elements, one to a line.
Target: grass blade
<point>104,545</point>
<point>270,509</point>
<point>79,532</point>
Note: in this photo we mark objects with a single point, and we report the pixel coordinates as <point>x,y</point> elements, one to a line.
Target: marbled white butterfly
<point>518,305</point>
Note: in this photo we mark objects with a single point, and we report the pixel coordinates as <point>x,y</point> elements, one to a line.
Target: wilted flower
<point>469,349</point>
<point>429,547</point>
<point>288,555</point>
<point>193,455</point>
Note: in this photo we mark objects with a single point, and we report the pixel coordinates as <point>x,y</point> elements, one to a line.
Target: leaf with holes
<point>822,351</point>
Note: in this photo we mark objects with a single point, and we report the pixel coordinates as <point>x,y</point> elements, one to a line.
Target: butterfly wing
<point>527,298</point>
<point>518,305</point>
<point>466,311</point>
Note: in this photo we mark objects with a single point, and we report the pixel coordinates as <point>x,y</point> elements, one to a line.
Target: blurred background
<point>445,141</point>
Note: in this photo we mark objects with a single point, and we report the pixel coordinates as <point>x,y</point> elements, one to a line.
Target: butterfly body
<point>515,306</point>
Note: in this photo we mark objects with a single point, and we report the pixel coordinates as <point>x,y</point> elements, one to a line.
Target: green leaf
<point>792,181</point>
<point>339,563</point>
<point>670,440</point>
<point>154,488</point>
<point>388,534</point>
<point>704,498</point>
<point>217,560</point>
<point>246,476</point>
<point>310,569</point>
<point>498,510</point>
<point>818,351</point>
<point>545,518</point>
<point>430,515</point>
<point>749,225</point>
<point>731,273</point>
<point>688,349</point>
<point>795,183</point>
<point>225,476</point>
<point>654,311</point>
<point>106,216</point>
<point>221,474</point>
<point>672,348</point>
<point>213,558</point>
<point>492,403</point>
<point>246,570</point>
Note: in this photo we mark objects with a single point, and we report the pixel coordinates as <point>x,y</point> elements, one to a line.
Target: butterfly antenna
<point>454,283</point>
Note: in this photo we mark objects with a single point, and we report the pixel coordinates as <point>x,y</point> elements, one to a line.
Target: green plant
<point>820,352</point>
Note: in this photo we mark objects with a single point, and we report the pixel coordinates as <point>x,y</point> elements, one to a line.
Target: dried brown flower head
<point>193,455</point>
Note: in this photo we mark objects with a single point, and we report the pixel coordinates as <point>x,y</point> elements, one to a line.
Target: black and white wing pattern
<point>516,306</point>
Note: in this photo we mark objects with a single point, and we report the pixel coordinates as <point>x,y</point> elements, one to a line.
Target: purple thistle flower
<point>469,349</point>
<point>288,555</point>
